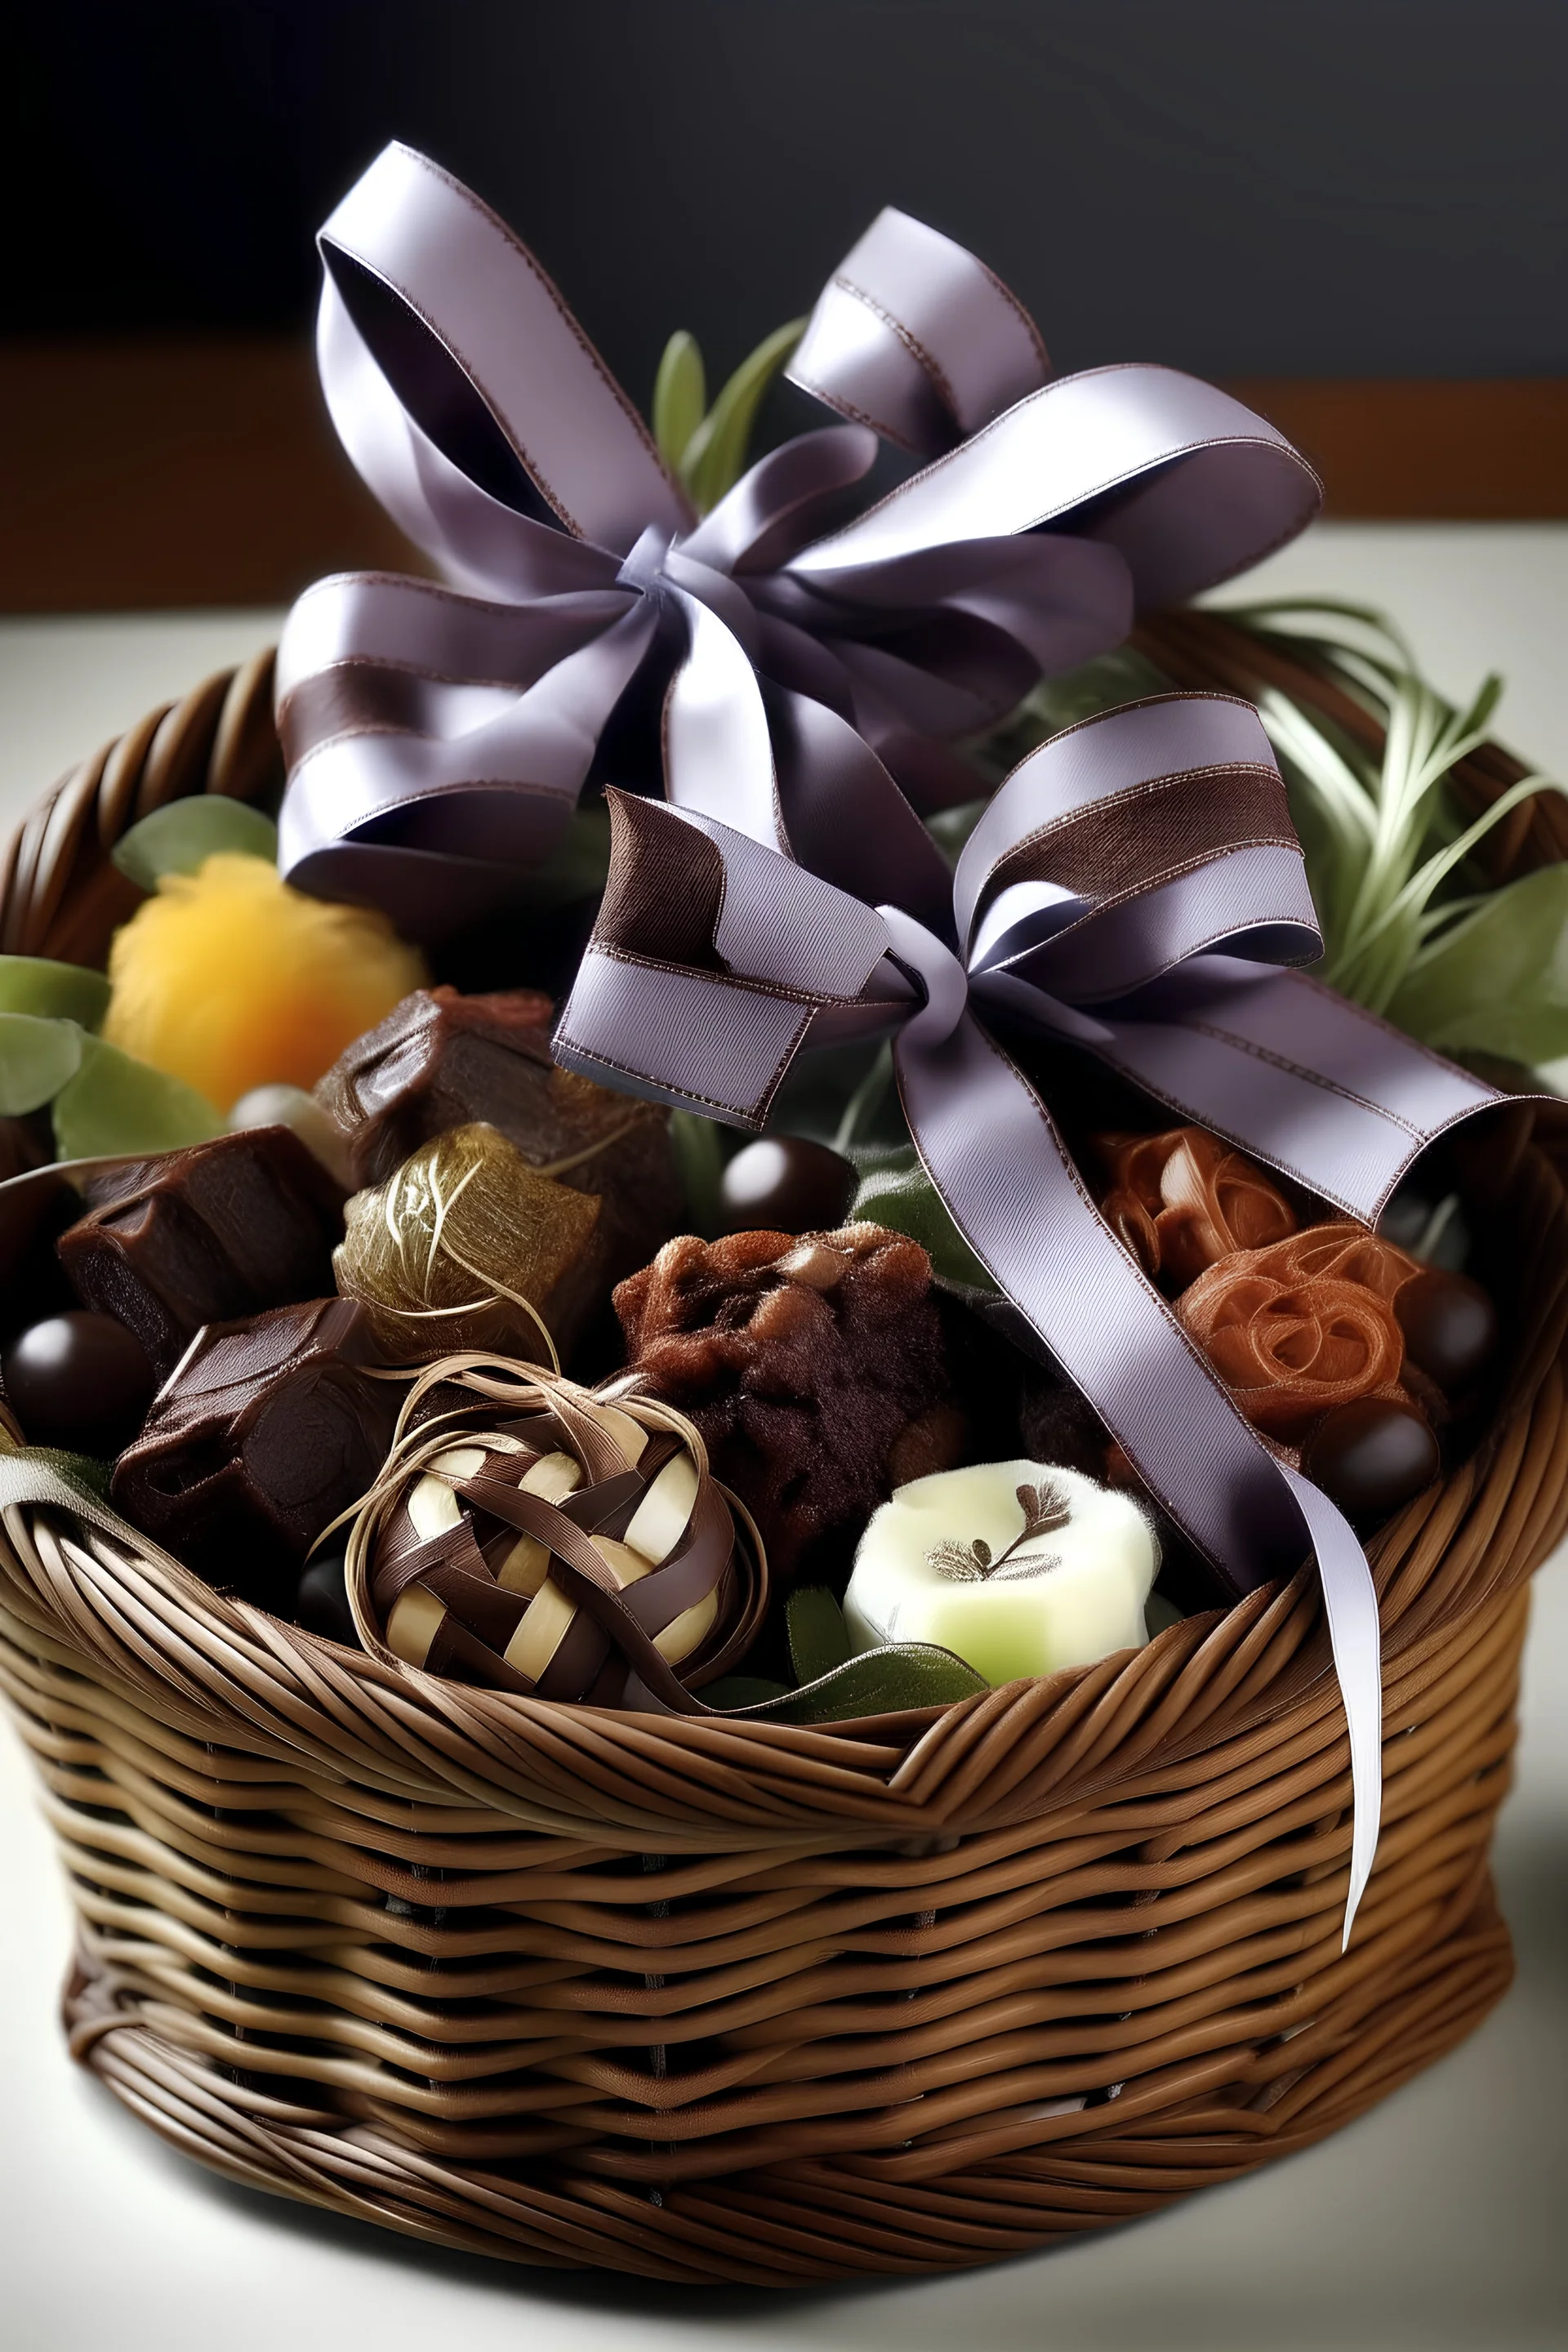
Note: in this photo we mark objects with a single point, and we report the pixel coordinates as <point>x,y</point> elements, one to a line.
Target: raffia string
<point>440,1253</point>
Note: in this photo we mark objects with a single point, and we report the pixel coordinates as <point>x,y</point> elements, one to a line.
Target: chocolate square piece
<point>268,1429</point>
<point>206,1236</point>
<point>439,1061</point>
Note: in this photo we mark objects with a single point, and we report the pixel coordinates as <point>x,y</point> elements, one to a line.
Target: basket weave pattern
<point>723,2002</point>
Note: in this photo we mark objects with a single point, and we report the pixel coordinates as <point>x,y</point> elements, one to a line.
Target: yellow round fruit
<point>228,979</point>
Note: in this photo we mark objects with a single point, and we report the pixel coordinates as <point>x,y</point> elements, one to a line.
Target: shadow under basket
<point>713,2002</point>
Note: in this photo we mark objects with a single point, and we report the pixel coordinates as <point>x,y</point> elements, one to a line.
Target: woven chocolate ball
<point>564,1546</point>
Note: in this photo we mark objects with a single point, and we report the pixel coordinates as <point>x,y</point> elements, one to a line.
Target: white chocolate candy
<point>950,1561</point>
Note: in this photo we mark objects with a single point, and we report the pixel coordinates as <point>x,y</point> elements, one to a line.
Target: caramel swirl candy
<point>268,1429</point>
<point>1304,1325</point>
<point>204,1235</point>
<point>1181,1200</point>
<point>465,1246</point>
<point>577,1550</point>
<point>816,1368</point>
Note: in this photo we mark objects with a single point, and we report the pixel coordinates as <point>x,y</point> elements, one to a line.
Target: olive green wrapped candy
<point>466,1246</point>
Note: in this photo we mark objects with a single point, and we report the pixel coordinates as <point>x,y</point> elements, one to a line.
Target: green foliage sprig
<point>706,448</point>
<point>1410,927</point>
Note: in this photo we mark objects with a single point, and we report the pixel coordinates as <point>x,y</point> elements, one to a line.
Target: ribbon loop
<point>917,338</point>
<point>475,409</point>
<point>471,304</point>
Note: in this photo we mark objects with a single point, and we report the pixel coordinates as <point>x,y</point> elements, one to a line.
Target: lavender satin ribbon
<point>438,737</point>
<point>1134,887</point>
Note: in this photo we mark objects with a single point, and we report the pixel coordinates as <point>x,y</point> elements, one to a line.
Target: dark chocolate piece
<point>206,1235</point>
<point>1371,1455</point>
<point>80,1380</point>
<point>32,1281</point>
<point>817,1370</point>
<point>1450,1327</point>
<point>438,1061</point>
<point>269,1429</point>
<point>787,1181</point>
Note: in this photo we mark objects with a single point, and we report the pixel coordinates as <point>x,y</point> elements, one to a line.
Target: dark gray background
<point>1291,187</point>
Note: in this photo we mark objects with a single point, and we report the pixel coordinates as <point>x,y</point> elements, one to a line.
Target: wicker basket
<point>712,2002</point>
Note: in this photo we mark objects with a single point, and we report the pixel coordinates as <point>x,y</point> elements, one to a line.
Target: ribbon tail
<point>1355,1636</point>
<point>992,1152</point>
<point>1294,1074</point>
<point>679,997</point>
<point>717,752</point>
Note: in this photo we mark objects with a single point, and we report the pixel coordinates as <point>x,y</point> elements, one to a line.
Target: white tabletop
<point>1436,2223</point>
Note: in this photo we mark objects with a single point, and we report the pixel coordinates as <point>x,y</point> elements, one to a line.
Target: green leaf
<point>55,991</point>
<point>818,1637</point>
<point>895,1191</point>
<point>36,1059</point>
<point>881,1682</point>
<point>117,1104</point>
<point>715,457</point>
<point>1497,981</point>
<point>181,837</point>
<point>680,397</point>
<point>700,1157</point>
<point>84,1471</point>
<point>733,1692</point>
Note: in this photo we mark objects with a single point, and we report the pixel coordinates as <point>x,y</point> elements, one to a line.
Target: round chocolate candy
<point>321,1604</point>
<point>787,1183</point>
<point>1450,1325</point>
<point>80,1380</point>
<point>1370,1455</point>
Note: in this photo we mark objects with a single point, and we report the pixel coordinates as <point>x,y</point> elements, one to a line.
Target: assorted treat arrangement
<point>460,1357</point>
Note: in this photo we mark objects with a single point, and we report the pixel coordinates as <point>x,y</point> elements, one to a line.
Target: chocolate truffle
<point>787,1183</point>
<point>441,1061</point>
<point>1450,1327</point>
<point>206,1236</point>
<point>1371,1455</point>
<point>80,1380</point>
<point>266,1432</point>
<point>817,1370</point>
<point>321,1602</point>
<point>465,1246</point>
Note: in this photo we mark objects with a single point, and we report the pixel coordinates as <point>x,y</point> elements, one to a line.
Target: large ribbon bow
<point>1134,887</point>
<point>438,736</point>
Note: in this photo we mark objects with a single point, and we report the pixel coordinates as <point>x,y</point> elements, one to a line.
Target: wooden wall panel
<point>205,472</point>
